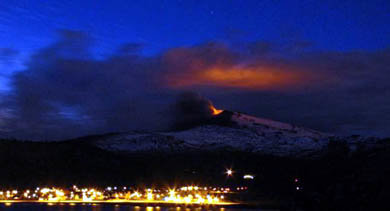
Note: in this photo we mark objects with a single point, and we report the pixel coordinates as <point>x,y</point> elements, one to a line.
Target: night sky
<point>70,68</point>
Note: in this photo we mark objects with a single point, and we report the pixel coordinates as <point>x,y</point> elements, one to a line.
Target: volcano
<point>265,126</point>
<point>223,131</point>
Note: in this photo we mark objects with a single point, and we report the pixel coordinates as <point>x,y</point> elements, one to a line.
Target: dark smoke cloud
<point>65,92</point>
<point>190,109</point>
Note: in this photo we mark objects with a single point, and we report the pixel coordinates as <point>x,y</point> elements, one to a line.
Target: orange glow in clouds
<point>247,78</point>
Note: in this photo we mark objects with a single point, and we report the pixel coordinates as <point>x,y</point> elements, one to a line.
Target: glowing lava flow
<point>215,111</point>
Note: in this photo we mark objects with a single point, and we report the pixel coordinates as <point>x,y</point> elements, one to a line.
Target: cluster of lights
<point>192,195</point>
<point>181,195</point>
<point>53,194</point>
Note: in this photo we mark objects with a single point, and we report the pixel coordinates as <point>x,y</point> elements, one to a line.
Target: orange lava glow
<point>215,111</point>
<point>247,78</point>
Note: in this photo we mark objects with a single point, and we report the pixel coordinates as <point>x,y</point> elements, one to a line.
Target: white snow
<point>267,125</point>
<point>252,135</point>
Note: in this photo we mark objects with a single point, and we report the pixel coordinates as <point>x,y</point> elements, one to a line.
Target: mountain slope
<point>231,131</point>
<point>271,126</point>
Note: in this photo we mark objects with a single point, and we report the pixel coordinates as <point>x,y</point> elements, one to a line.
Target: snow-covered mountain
<point>227,131</point>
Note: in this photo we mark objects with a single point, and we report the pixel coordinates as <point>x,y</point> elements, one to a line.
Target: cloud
<point>217,65</point>
<point>191,109</point>
<point>65,92</point>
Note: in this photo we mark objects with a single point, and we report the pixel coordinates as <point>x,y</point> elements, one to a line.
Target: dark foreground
<point>338,180</point>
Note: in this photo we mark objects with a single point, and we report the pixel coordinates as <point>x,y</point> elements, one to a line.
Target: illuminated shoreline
<point>186,195</point>
<point>114,201</point>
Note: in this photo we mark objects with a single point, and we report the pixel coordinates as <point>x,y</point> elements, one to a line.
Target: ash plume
<point>63,91</point>
<point>190,110</point>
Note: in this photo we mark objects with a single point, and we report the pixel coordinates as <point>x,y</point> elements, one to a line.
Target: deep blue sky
<point>338,25</point>
<point>326,27</point>
<point>27,25</point>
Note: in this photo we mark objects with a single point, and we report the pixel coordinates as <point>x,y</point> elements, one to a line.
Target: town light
<point>229,172</point>
<point>248,176</point>
<point>181,195</point>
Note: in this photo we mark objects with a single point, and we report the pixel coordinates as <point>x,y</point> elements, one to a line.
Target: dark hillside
<point>340,179</point>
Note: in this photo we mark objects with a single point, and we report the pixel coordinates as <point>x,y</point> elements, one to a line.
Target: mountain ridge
<point>229,131</point>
